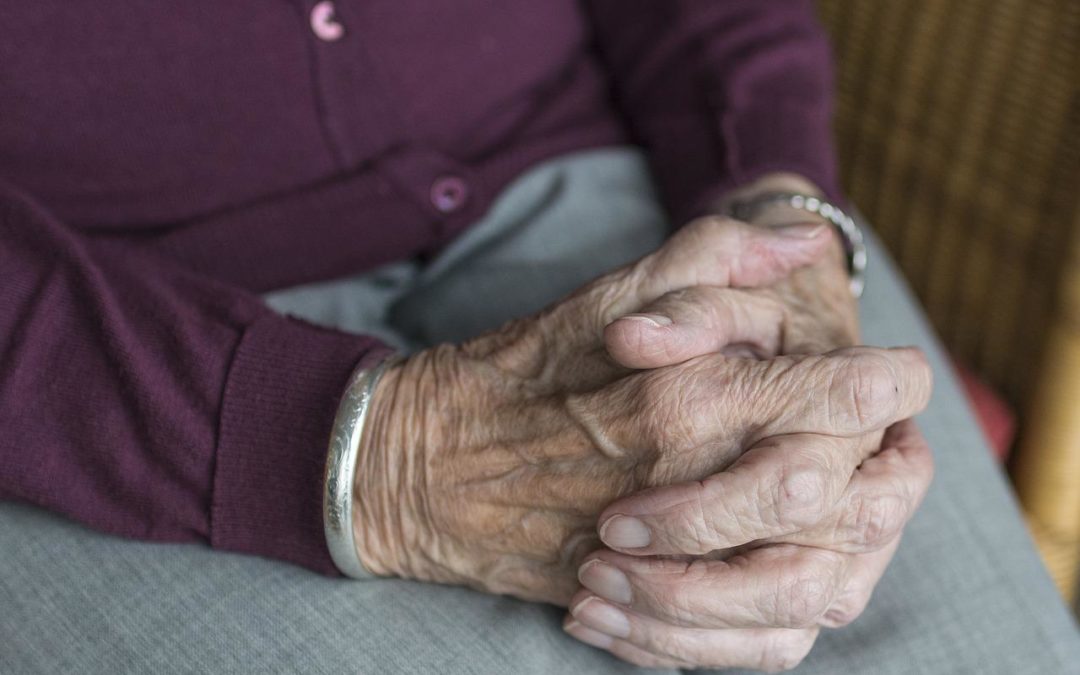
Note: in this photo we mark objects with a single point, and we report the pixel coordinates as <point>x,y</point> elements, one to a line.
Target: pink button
<point>449,193</point>
<point>323,23</point>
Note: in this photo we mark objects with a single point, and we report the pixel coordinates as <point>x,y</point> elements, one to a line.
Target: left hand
<point>814,569</point>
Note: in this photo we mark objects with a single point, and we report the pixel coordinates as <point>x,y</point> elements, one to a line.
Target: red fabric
<point>996,418</point>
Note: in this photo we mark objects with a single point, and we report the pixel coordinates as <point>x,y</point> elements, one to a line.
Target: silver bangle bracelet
<point>341,469</point>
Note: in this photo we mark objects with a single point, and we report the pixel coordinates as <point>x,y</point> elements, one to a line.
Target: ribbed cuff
<point>283,388</point>
<point>787,137</point>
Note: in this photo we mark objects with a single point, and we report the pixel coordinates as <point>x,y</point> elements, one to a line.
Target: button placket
<point>355,106</point>
<point>448,190</point>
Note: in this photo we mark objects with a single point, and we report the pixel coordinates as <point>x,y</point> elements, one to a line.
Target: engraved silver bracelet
<point>341,468</point>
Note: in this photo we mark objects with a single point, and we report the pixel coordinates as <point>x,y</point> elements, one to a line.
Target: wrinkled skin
<point>757,606</point>
<point>682,612</point>
<point>492,463</point>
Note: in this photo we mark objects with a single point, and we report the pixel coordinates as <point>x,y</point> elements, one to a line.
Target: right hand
<point>487,464</point>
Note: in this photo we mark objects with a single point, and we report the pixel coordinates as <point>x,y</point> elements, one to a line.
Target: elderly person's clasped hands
<point>659,453</point>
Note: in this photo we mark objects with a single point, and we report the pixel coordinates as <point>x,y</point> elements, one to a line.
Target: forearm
<point>149,402</point>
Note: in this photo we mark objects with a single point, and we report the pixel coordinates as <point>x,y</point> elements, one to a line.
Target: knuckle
<point>799,496</point>
<point>842,617</point>
<point>807,592</point>
<point>875,520</point>
<point>863,392</point>
<point>847,609</point>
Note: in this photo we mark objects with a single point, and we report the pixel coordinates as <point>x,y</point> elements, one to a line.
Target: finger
<point>866,571</point>
<point>846,392</point>
<point>691,322</point>
<point>718,251</point>
<point>619,648</point>
<point>708,410</point>
<point>770,649</point>
<point>781,486</point>
<point>883,495</point>
<point>769,587</point>
<point>712,251</point>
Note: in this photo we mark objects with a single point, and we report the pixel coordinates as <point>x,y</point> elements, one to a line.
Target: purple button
<point>448,193</point>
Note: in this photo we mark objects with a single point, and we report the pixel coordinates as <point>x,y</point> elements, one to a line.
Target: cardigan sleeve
<point>720,92</point>
<point>146,401</point>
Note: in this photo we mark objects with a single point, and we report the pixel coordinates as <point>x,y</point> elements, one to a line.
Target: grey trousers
<point>965,594</point>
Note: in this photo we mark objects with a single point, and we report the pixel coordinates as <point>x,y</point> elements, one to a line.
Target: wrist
<point>780,214</point>
<point>377,484</point>
<point>778,208</point>
<point>339,507</point>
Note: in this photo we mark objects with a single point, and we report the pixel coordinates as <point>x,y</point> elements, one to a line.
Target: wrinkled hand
<point>487,464</point>
<point>810,311</point>
<point>801,550</point>
<point>822,531</point>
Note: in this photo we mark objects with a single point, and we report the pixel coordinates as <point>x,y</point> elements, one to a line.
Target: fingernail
<point>624,532</point>
<point>654,320</point>
<point>599,615</point>
<point>605,580</point>
<point>587,635</point>
<point>801,230</point>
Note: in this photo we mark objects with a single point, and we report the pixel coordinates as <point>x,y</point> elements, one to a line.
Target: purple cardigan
<point>162,165</point>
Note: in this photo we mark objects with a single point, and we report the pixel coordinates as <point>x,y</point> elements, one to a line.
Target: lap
<point>79,601</point>
<point>966,592</point>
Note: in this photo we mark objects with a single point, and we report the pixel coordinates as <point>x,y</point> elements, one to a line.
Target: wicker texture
<point>1047,468</point>
<point>958,124</point>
